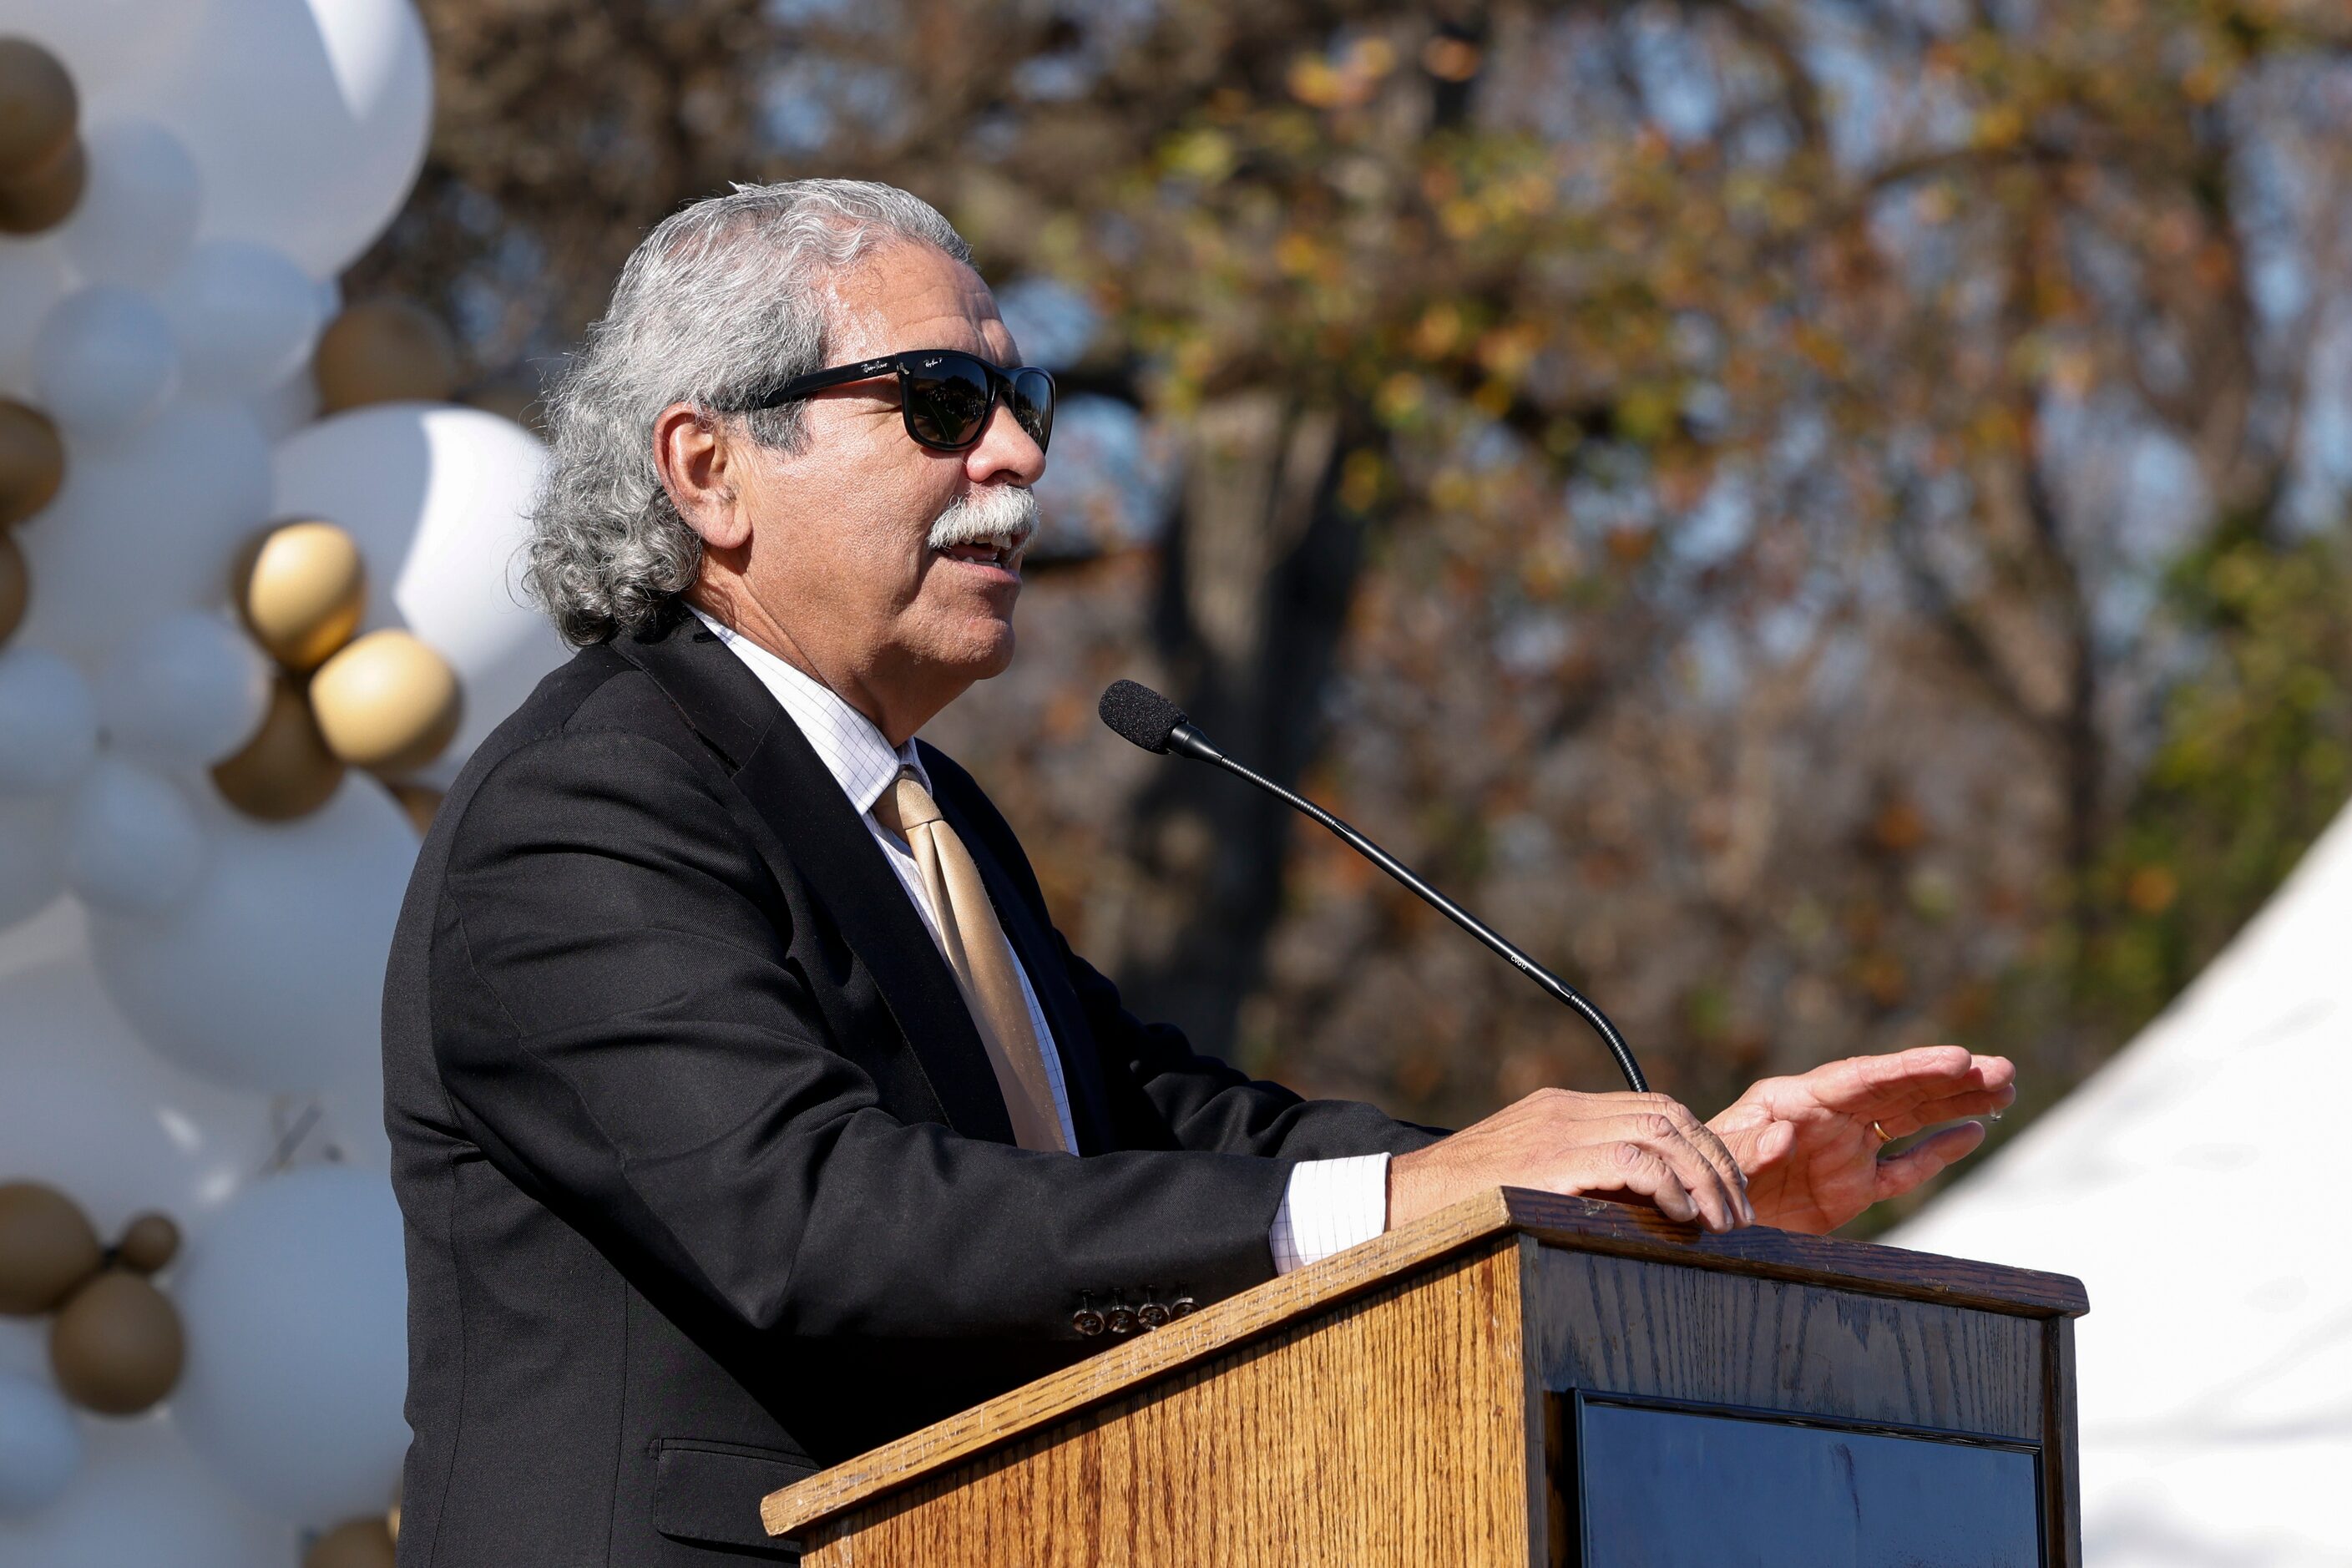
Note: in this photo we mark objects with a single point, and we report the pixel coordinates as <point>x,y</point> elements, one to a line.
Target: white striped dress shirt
<point>1328,1205</point>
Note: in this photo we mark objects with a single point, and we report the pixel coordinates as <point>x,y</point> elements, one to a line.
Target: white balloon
<point>32,278</point>
<point>307,118</point>
<point>184,691</point>
<point>48,722</point>
<point>270,975</point>
<point>245,316</point>
<point>110,46</point>
<point>138,216</point>
<point>293,403</point>
<point>56,936</point>
<point>142,1499</point>
<point>281,410</point>
<point>351,1125</point>
<point>40,1445</point>
<point>132,845</point>
<point>91,1110</point>
<point>32,855</point>
<point>146,527</point>
<point>25,1346</point>
<point>104,362</point>
<point>295,1302</point>
<point>438,497</point>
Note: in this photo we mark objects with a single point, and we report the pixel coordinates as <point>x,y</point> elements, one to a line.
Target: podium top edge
<point>1589,1225</point>
<point>1573,1224</point>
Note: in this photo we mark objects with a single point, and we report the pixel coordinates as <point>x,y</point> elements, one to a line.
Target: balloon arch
<point>257,606</point>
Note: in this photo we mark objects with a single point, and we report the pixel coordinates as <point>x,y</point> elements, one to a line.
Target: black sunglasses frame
<point>914,362</point>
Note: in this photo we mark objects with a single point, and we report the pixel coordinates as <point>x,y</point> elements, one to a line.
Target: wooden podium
<point>1521,1380</point>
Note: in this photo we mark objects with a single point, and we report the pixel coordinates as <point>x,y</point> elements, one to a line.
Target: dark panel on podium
<point>1662,1485</point>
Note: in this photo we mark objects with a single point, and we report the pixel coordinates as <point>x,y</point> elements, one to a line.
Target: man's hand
<point>1808,1147</point>
<point>1560,1142</point>
<point>1800,1154</point>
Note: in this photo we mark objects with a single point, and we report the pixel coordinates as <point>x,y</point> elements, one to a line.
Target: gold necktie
<point>980,957</point>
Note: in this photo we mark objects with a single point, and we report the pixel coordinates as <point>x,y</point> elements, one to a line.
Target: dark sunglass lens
<point>1032,404</point>
<point>947,400</point>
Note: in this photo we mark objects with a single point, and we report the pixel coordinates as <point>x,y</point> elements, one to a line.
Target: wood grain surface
<point>1389,1430</point>
<point>1584,1226</point>
<point>1123,1367</point>
<point>1627,1325</point>
<point>2061,1474</point>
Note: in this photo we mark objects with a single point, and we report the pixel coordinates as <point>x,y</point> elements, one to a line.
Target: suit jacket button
<point>1152,1314</point>
<point>1088,1321</point>
<point>1121,1319</point>
<point>1182,1307</point>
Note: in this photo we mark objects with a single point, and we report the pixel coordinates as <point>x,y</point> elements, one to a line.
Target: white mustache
<point>1003,515</point>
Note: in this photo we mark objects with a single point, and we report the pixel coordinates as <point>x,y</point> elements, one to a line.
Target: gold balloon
<point>302,591</point>
<point>32,461</point>
<point>38,108</point>
<point>355,1544</point>
<point>383,350</point>
<point>46,1248</point>
<point>420,801</point>
<point>286,769</point>
<point>149,1243</point>
<point>117,1346</point>
<point>40,200</point>
<point>15,587</point>
<point>387,703</point>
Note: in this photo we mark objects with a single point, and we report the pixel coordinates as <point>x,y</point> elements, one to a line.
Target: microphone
<point>1140,715</point>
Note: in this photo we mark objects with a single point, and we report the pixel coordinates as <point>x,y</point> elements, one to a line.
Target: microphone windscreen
<point>1140,714</point>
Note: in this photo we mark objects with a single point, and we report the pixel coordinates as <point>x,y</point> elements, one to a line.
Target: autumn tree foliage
<point>1823,518</point>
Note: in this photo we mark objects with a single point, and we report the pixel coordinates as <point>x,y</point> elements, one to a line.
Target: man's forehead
<point>913,296</point>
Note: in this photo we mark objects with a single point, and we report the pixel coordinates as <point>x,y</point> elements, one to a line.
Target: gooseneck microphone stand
<point>1138,714</point>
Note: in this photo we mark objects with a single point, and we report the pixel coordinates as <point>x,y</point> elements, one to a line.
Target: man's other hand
<point>1800,1154</point>
<point>1809,1145</point>
<point>1557,1140</point>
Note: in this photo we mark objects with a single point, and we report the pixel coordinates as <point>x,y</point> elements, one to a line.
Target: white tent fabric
<point>2197,1185</point>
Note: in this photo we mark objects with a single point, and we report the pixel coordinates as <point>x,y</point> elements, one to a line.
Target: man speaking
<point>746,1109</point>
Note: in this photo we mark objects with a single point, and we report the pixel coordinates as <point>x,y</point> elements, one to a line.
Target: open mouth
<point>1002,550</point>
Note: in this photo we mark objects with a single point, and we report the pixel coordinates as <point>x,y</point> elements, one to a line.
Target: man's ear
<point>695,459</point>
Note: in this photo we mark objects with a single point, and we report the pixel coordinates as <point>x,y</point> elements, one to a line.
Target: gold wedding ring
<point>1884,1137</point>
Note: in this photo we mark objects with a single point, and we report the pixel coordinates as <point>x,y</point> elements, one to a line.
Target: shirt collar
<point>859,757</point>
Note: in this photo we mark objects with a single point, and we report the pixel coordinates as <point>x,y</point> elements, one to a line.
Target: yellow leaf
<point>1206,155</point>
<point>2002,125</point>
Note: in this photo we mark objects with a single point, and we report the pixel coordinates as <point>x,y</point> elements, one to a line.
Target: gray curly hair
<point>719,304</point>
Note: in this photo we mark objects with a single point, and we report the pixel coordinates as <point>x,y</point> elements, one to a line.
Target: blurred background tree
<point>1826,519</point>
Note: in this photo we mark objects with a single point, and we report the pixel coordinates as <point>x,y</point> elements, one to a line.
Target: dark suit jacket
<point>705,1177</point>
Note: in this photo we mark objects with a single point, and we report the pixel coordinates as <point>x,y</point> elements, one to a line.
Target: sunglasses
<point>945,395</point>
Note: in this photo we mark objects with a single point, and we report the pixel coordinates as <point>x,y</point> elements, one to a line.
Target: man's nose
<point>1004,450</point>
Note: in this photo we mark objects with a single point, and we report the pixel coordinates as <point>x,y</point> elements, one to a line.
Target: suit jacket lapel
<point>1033,942</point>
<point>837,859</point>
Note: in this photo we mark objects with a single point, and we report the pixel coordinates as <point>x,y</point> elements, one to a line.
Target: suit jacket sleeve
<point>622,1025</point>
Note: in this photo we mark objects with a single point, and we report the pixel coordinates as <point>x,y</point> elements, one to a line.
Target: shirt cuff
<point>1329,1206</point>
